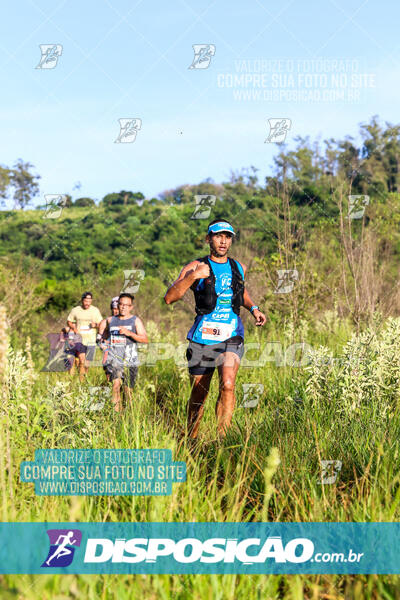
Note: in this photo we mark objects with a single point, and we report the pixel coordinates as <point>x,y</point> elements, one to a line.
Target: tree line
<point>309,171</point>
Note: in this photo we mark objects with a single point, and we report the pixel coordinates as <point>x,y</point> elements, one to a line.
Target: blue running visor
<point>221,226</point>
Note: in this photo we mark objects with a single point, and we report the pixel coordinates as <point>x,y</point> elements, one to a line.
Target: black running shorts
<point>79,348</point>
<point>127,374</point>
<point>203,358</point>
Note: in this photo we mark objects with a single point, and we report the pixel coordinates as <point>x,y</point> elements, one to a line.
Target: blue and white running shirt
<point>222,323</point>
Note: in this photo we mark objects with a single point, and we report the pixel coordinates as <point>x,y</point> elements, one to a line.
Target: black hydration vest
<point>206,297</point>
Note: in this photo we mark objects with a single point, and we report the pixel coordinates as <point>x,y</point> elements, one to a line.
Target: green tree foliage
<point>310,171</point>
<point>291,220</point>
<point>122,198</point>
<point>19,183</point>
<point>4,183</point>
<point>84,202</point>
<point>24,183</point>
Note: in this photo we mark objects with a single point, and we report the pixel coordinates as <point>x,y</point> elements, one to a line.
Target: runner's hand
<point>259,317</point>
<point>125,331</point>
<point>93,324</point>
<point>201,270</point>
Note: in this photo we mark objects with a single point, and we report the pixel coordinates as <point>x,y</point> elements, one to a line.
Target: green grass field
<point>267,469</point>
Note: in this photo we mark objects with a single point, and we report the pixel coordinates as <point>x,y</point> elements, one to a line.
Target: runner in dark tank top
<point>123,332</point>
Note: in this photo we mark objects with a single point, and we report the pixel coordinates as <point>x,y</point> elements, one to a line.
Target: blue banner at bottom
<point>200,548</point>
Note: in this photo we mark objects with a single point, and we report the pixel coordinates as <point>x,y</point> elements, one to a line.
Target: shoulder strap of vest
<point>202,259</point>
<point>235,266</point>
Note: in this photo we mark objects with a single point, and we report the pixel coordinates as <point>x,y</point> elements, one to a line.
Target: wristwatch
<point>253,307</point>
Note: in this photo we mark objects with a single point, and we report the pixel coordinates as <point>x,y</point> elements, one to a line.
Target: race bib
<point>216,331</point>
<point>116,339</point>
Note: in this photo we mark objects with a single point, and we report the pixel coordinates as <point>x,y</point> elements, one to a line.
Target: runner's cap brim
<point>221,226</point>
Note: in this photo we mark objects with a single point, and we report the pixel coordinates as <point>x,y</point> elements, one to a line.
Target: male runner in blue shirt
<point>216,337</point>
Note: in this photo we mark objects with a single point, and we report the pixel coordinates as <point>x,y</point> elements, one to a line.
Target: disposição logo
<point>63,543</point>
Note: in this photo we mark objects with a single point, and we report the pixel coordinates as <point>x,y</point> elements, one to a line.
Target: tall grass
<point>267,468</point>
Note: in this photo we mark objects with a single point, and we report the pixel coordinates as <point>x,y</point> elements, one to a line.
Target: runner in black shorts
<point>84,320</point>
<point>216,338</point>
<point>123,331</point>
<point>102,343</point>
<point>202,358</point>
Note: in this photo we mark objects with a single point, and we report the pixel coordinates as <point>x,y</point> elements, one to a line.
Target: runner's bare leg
<point>82,368</point>
<point>225,405</point>
<point>116,395</point>
<point>128,394</point>
<point>200,386</point>
<point>73,365</point>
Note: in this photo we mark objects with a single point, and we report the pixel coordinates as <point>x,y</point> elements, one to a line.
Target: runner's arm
<point>103,334</point>
<point>106,331</point>
<point>72,321</point>
<point>185,279</point>
<point>246,297</point>
<point>72,326</point>
<point>102,326</point>
<point>247,301</point>
<point>139,336</point>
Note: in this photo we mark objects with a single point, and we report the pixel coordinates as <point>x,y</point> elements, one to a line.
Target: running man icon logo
<point>63,543</point>
<point>286,280</point>
<point>132,279</point>
<point>50,55</point>
<point>128,130</point>
<point>330,471</point>
<point>278,129</point>
<point>252,393</point>
<point>61,354</point>
<point>54,205</point>
<point>357,206</point>
<point>202,56</point>
<point>98,396</point>
<point>204,202</point>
